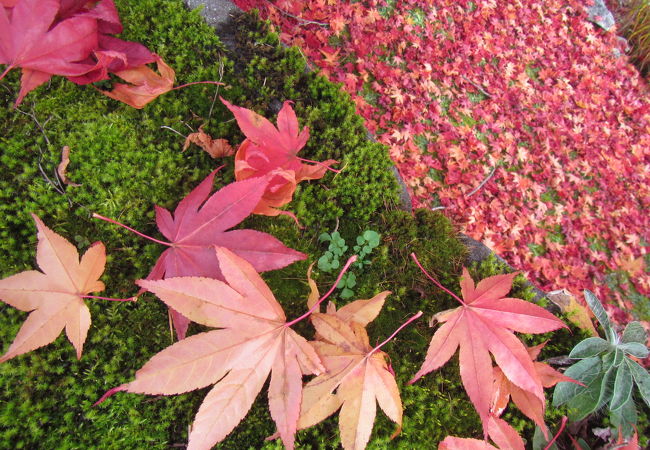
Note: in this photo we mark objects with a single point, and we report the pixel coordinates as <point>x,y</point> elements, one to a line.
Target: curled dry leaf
<point>55,296</point>
<point>578,314</point>
<point>63,165</point>
<point>217,148</point>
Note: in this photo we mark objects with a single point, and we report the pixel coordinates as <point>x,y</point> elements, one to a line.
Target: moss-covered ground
<point>125,161</point>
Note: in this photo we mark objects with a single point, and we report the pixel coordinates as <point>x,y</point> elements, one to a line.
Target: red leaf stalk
<point>97,216</point>
<point>130,299</point>
<point>347,265</point>
<point>415,316</point>
<point>436,282</point>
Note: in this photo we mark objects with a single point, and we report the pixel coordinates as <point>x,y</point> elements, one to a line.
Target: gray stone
<point>219,14</point>
<point>600,15</point>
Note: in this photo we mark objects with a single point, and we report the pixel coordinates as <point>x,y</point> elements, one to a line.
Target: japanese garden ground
<point>518,123</point>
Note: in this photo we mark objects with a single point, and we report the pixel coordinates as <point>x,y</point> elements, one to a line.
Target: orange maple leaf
<point>530,405</point>
<point>253,339</point>
<point>55,296</point>
<point>146,85</point>
<point>216,148</point>
<point>357,372</point>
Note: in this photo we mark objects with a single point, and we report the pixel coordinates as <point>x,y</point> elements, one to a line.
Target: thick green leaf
<point>642,379</point>
<point>588,371</point>
<point>598,310</point>
<point>622,387</point>
<point>589,347</point>
<point>609,378</point>
<point>540,442</point>
<point>619,356</point>
<point>634,332</point>
<point>625,417</point>
<point>634,349</point>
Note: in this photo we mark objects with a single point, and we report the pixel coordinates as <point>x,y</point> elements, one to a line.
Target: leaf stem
<point>97,216</point>
<point>9,67</point>
<point>548,446</point>
<point>416,316</point>
<point>347,265</point>
<point>197,82</point>
<point>317,163</point>
<point>130,299</point>
<point>436,282</point>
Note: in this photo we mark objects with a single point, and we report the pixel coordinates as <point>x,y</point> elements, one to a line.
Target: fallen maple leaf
<point>268,149</point>
<point>201,222</point>
<point>217,148</point>
<point>146,85</point>
<point>31,42</point>
<point>55,296</point>
<point>63,165</point>
<point>356,371</point>
<point>530,405</point>
<point>499,430</point>
<point>484,325</point>
<point>576,313</point>
<point>255,339</point>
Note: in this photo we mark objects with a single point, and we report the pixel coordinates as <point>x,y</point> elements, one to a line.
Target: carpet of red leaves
<point>527,89</point>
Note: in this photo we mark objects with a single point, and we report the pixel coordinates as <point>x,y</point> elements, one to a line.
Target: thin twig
<point>299,19</point>
<point>311,69</point>
<point>56,188</point>
<point>438,208</point>
<point>171,129</point>
<point>216,93</point>
<point>475,190</point>
<point>38,124</point>
<point>477,86</point>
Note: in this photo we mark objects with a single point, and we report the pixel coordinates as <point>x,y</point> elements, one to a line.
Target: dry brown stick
<point>477,86</point>
<point>475,190</point>
<point>299,19</point>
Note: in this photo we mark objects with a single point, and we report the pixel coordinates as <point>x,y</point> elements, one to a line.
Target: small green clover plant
<point>330,260</point>
<point>607,372</point>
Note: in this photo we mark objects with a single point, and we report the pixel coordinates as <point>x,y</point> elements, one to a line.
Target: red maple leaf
<point>31,42</point>
<point>484,325</point>
<point>271,150</point>
<point>200,223</point>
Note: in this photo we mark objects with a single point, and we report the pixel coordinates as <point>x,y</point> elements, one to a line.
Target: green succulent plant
<point>607,372</point>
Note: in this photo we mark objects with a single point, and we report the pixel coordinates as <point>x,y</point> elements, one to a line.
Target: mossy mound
<point>127,160</point>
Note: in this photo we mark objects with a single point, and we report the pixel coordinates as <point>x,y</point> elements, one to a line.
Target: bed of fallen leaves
<point>527,96</point>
